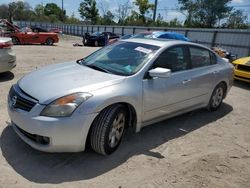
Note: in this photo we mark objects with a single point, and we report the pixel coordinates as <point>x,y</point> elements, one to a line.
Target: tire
<point>50,41</point>
<point>107,129</point>
<point>217,97</point>
<point>96,44</point>
<point>15,40</point>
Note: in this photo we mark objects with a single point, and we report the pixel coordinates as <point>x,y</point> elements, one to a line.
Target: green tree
<point>175,23</point>
<point>4,13</point>
<point>88,11</point>
<point>54,11</point>
<point>108,18</point>
<point>204,13</point>
<point>123,11</point>
<point>72,19</point>
<point>39,10</point>
<point>237,20</point>
<point>144,7</point>
<point>20,11</point>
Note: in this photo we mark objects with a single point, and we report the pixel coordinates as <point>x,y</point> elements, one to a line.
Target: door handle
<point>186,81</point>
<point>216,72</point>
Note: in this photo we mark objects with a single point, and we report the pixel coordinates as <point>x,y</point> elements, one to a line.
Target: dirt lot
<point>198,149</point>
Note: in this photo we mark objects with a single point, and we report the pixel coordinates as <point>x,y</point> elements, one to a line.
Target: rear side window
<point>199,57</point>
<point>173,59</point>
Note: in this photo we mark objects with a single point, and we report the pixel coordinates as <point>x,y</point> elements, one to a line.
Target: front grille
<point>243,68</point>
<point>20,100</point>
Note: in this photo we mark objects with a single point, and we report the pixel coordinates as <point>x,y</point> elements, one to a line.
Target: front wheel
<point>107,129</point>
<point>49,41</point>
<point>15,40</point>
<point>217,97</point>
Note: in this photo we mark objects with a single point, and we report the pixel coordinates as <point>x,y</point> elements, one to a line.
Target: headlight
<point>66,105</point>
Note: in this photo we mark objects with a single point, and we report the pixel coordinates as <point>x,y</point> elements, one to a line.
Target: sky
<point>165,7</point>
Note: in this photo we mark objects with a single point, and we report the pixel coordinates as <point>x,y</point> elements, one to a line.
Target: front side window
<point>121,58</point>
<point>173,59</point>
<point>199,57</point>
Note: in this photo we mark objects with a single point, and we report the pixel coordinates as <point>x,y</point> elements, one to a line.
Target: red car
<point>26,36</point>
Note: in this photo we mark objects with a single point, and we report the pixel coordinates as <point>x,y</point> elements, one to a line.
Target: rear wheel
<point>15,40</point>
<point>50,41</point>
<point>107,129</point>
<point>217,97</point>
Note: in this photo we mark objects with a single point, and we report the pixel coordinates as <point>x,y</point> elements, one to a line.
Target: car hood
<point>242,61</point>
<point>54,81</point>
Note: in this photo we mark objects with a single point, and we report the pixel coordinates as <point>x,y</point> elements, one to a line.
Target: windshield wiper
<point>80,61</point>
<point>98,68</point>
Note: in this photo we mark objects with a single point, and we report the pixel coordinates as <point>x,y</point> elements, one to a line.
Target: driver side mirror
<point>160,72</point>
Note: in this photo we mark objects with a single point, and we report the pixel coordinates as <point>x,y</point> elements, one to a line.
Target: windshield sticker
<point>143,50</point>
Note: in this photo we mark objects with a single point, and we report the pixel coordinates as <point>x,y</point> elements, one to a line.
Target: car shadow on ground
<point>241,84</point>
<point>56,168</point>
<point>6,76</point>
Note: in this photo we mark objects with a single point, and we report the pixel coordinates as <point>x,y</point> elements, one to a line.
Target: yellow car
<point>242,69</point>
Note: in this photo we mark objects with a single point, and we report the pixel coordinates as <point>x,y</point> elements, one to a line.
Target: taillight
<point>4,45</point>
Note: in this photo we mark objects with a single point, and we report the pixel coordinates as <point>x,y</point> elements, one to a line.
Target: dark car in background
<point>98,38</point>
<point>55,30</point>
<point>38,29</point>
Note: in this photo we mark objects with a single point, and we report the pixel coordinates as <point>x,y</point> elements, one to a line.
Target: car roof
<point>162,42</point>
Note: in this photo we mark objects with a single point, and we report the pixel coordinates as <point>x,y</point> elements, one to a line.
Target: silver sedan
<point>7,57</point>
<point>132,83</point>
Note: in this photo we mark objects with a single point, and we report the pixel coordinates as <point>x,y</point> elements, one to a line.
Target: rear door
<point>203,73</point>
<point>32,37</point>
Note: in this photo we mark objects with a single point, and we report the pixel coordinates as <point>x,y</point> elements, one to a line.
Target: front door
<point>31,37</point>
<point>162,96</point>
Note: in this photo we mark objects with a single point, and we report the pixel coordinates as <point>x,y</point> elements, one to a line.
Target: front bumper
<point>68,134</point>
<point>241,75</point>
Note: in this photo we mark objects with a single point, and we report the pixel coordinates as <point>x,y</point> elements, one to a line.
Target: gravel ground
<point>198,149</point>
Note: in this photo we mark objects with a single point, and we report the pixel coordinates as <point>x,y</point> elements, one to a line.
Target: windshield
<point>121,58</point>
<point>96,34</point>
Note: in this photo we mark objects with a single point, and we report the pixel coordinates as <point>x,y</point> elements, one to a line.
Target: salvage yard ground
<point>198,149</point>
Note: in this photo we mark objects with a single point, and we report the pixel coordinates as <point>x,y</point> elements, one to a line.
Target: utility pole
<point>155,10</point>
<point>63,16</point>
<point>62,5</point>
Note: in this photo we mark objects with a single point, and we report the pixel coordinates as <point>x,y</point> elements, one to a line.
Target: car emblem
<point>14,100</point>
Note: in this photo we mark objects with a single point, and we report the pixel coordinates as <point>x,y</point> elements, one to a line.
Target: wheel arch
<point>17,38</point>
<point>132,119</point>
<point>225,85</point>
<point>226,88</point>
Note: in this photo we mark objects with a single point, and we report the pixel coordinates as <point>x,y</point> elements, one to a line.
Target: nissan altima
<point>131,83</point>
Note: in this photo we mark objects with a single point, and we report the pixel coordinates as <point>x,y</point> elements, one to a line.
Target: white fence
<point>235,41</point>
